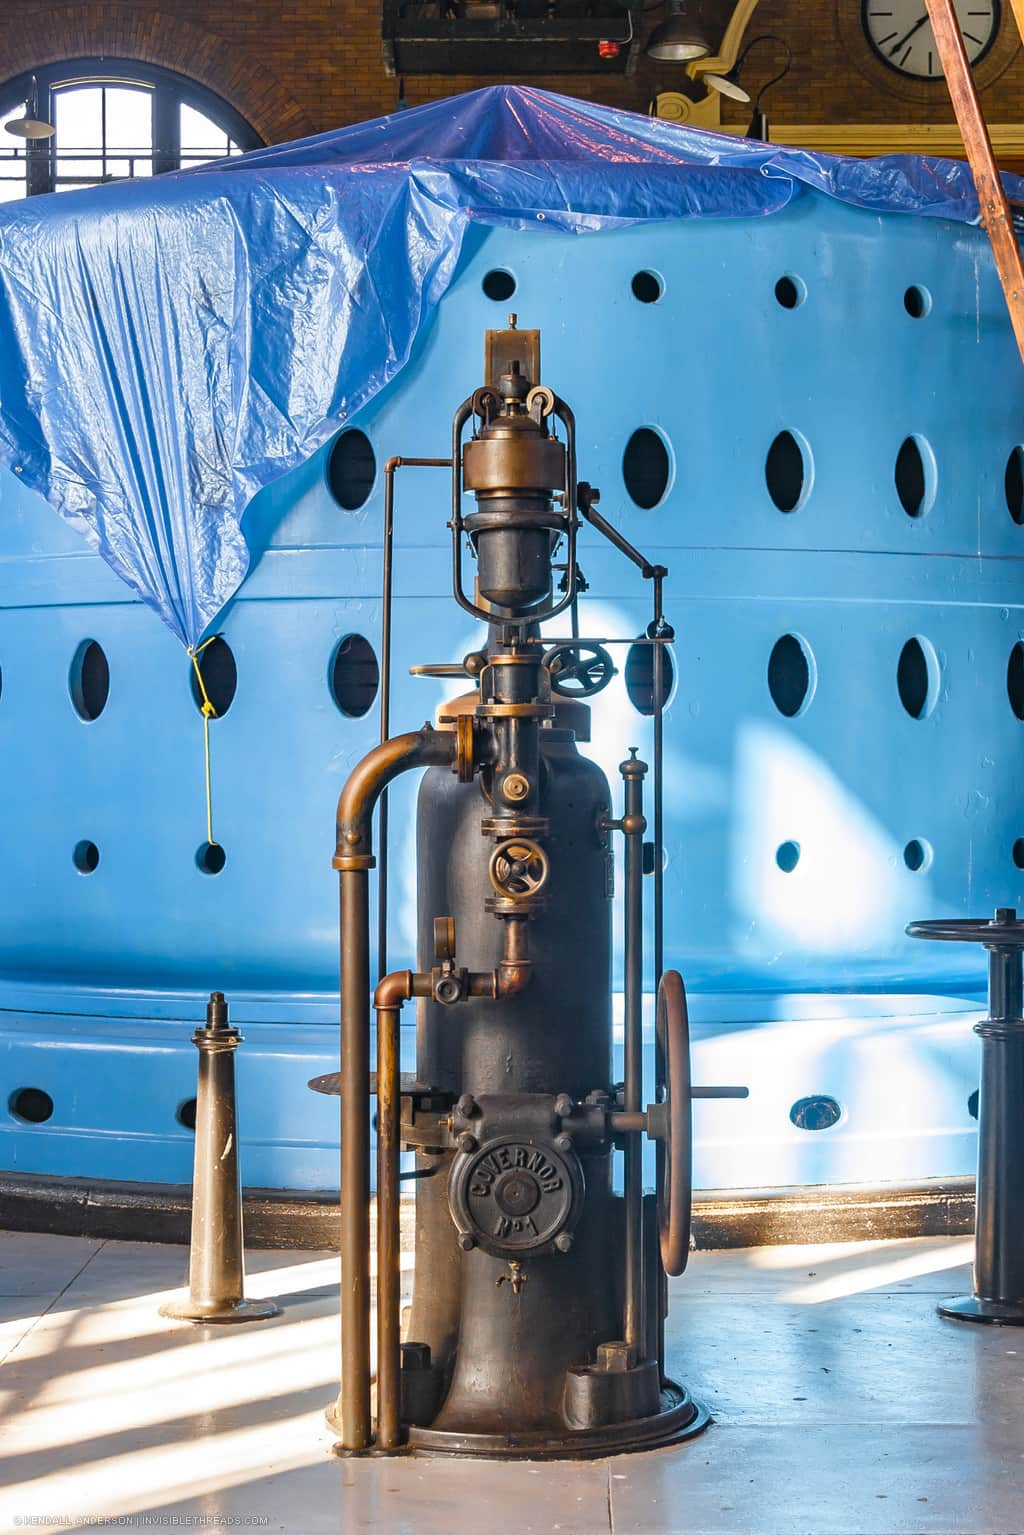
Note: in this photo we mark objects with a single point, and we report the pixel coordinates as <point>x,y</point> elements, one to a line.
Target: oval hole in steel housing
<point>499,285</point>
<point>351,469</point>
<point>918,676</point>
<point>89,680</point>
<point>917,855</point>
<point>787,856</point>
<point>30,1105</point>
<point>647,287</point>
<point>210,857</point>
<point>790,291</point>
<point>792,675</point>
<point>639,677</point>
<point>220,676</point>
<point>86,857</point>
<point>1015,680</point>
<point>1013,486</point>
<point>787,471</point>
<point>646,468</point>
<point>354,676</point>
<point>818,1112</point>
<point>916,477</point>
<point>917,301</point>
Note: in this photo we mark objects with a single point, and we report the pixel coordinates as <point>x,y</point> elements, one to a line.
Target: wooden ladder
<point>995,209</point>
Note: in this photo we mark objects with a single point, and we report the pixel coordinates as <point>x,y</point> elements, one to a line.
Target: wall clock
<point>900,33</point>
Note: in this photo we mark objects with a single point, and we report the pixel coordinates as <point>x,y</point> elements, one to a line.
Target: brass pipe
<point>353,1411</point>
<point>390,993</point>
<point>353,860</point>
<point>401,986</point>
<point>370,777</point>
<point>389,1250</point>
<point>514,970</point>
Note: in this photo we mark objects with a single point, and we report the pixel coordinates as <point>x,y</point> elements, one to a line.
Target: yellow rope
<point>208,712</point>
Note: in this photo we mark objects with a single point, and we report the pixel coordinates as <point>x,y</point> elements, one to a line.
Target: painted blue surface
<point>804,982</point>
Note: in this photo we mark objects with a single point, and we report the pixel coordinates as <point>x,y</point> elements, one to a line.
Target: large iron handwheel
<point>675,1147</point>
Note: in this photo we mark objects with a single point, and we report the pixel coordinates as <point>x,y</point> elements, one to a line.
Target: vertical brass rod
<point>389,1353</point>
<point>385,710</point>
<point>659,814</point>
<point>633,828</point>
<point>354,1401</point>
<point>386,630</point>
<point>658,1281</point>
<point>995,209</point>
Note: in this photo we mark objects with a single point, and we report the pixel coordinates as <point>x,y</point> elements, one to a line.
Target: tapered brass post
<point>216,1277</point>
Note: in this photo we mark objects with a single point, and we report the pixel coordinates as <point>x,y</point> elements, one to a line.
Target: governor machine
<point>537,1318</point>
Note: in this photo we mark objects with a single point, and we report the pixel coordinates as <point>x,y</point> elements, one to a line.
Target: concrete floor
<point>842,1406</point>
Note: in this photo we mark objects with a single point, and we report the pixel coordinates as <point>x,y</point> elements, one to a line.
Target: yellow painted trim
<point>674,107</point>
<point>729,50</point>
<point>894,138</point>
<point>1018,13</point>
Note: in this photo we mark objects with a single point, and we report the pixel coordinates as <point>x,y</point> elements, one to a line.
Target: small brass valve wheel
<point>518,868</point>
<point>579,671</point>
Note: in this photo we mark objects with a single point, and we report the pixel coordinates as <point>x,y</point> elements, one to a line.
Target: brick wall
<point>303,66</point>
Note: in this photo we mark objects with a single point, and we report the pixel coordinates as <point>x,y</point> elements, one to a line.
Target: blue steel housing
<point>799,843</point>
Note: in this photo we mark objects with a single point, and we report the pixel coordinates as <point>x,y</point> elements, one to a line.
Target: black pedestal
<point>999,1224</point>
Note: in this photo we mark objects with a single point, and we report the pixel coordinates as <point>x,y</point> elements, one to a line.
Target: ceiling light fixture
<point>679,38</point>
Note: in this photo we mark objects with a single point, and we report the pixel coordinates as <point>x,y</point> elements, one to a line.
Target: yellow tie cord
<point>209,712</point>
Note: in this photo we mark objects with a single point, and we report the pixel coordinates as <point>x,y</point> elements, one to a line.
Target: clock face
<point>901,34</point>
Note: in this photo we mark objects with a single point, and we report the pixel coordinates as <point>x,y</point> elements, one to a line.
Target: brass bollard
<point>216,1279</point>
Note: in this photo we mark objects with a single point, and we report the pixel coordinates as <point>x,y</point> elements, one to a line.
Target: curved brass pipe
<point>368,780</point>
<point>353,860</point>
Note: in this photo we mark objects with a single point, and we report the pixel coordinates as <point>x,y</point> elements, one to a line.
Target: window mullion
<point>166,131</point>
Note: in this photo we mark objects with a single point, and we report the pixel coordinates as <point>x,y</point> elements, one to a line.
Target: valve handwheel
<point>579,671</point>
<point>675,1147</point>
<point>518,868</point>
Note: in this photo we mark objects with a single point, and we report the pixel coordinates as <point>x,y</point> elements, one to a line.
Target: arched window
<point>114,119</point>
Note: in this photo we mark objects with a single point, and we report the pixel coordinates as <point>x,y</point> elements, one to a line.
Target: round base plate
<point>235,1311</point>
<point>679,1417</point>
<point>972,1308</point>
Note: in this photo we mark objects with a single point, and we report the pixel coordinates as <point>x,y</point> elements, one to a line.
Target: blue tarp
<point>170,346</point>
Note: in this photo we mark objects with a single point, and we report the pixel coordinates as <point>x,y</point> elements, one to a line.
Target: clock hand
<point>908,35</point>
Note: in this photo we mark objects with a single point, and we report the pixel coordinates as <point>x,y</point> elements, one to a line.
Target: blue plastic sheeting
<point>170,346</point>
